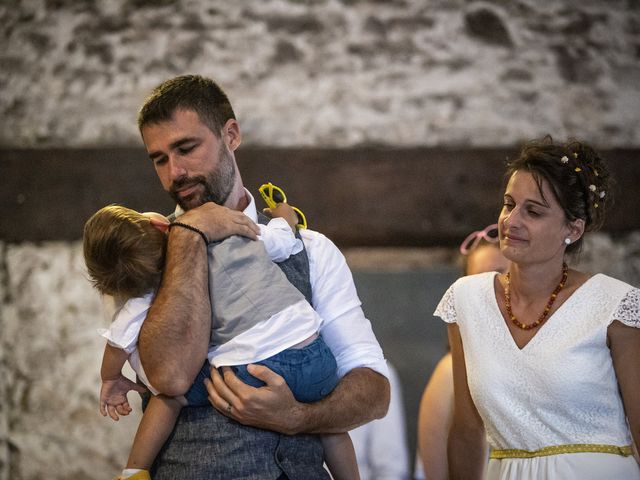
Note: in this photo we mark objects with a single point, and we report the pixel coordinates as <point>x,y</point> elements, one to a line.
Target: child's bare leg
<point>157,423</point>
<point>340,456</point>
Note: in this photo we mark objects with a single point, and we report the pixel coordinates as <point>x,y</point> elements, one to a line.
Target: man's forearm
<point>175,335</point>
<point>361,396</point>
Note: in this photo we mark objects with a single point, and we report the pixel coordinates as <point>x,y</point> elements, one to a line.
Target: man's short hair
<point>187,92</point>
<point>123,252</point>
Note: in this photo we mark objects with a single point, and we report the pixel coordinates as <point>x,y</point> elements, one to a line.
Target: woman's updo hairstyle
<point>577,176</point>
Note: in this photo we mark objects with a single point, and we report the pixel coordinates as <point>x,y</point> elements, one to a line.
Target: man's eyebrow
<point>154,155</point>
<point>178,143</point>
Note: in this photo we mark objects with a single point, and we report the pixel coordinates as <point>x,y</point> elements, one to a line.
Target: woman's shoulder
<point>472,287</point>
<point>477,280</point>
<point>607,284</point>
<point>620,299</point>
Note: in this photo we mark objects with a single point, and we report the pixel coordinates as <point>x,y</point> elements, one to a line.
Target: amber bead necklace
<point>547,309</point>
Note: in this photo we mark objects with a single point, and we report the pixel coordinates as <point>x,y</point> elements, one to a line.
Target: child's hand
<point>113,396</point>
<point>283,210</point>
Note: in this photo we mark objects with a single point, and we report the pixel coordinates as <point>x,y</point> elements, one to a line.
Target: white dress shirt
<point>344,328</point>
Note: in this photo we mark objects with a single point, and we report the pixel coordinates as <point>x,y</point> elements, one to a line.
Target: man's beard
<point>217,185</point>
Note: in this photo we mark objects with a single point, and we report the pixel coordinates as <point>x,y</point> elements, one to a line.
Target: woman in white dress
<point>546,358</point>
<point>480,252</point>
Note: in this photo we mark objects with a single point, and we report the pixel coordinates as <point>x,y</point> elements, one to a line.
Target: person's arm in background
<point>466,447</point>
<point>434,420</point>
<point>363,392</point>
<point>175,336</point>
<point>381,445</point>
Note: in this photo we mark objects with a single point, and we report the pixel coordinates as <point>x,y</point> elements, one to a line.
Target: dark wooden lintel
<point>357,197</point>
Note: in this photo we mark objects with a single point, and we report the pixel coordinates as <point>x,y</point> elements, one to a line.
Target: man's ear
<point>231,134</point>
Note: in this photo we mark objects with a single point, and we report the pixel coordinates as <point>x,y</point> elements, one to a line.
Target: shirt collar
<point>251,210</point>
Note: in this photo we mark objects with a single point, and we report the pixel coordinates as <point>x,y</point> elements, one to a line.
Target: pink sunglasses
<point>490,234</point>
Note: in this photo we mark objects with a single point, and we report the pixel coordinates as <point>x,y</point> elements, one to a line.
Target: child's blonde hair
<point>124,252</point>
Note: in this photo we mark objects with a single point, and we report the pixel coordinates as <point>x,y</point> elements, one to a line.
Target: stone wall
<point>320,73</point>
<point>50,375</point>
<point>328,72</point>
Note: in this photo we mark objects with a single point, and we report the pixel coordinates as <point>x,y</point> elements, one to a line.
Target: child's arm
<point>278,235</point>
<point>155,427</point>
<point>340,456</point>
<point>284,210</point>
<point>113,392</point>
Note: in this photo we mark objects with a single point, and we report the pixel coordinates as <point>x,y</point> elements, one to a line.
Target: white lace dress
<point>560,390</point>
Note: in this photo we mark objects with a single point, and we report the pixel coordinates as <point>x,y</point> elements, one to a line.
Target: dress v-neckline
<point>543,327</point>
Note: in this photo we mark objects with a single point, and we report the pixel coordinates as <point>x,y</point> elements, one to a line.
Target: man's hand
<point>113,396</point>
<point>218,222</point>
<point>361,396</point>
<point>271,407</point>
<point>283,210</point>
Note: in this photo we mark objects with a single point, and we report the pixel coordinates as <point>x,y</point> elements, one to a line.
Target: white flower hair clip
<point>564,159</point>
<point>592,188</point>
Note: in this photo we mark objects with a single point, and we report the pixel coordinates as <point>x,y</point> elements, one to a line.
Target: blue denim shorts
<point>197,395</point>
<point>311,373</point>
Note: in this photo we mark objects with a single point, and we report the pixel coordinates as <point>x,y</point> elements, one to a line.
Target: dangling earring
<point>567,241</point>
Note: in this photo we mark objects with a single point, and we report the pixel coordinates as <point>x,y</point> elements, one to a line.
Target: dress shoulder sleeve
<point>628,310</point>
<point>446,309</point>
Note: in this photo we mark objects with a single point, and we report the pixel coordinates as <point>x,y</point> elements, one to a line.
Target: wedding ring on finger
<point>229,406</point>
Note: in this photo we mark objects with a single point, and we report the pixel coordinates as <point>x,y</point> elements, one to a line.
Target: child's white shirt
<point>127,319</point>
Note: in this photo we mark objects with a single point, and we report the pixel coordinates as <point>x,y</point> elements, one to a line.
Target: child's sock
<point>135,473</point>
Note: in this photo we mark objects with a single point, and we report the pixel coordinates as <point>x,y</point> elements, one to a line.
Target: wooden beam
<point>358,197</point>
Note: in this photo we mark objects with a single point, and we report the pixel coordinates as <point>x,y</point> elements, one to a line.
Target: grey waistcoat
<point>245,287</point>
<point>206,445</point>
